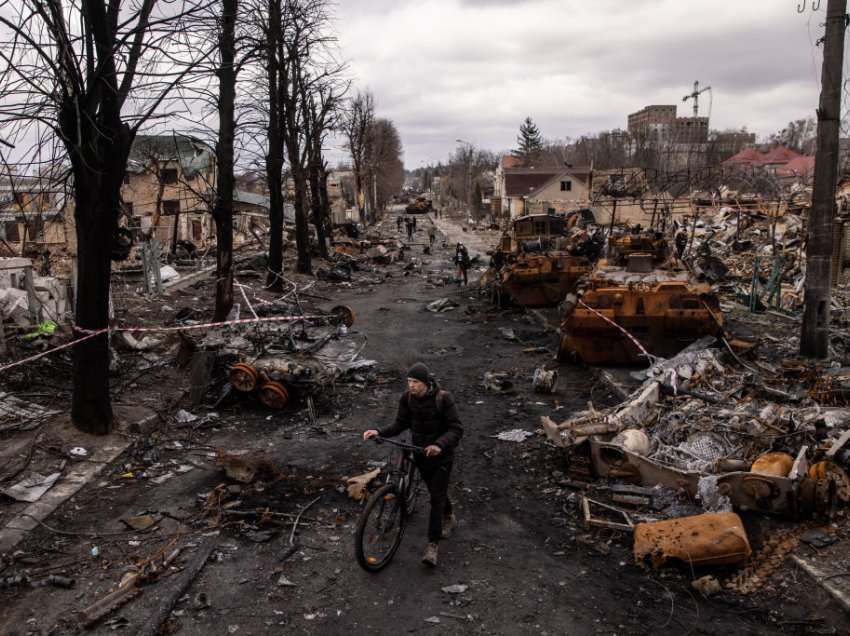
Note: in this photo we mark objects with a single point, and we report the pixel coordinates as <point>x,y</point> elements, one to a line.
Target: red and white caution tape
<point>211,325</point>
<point>634,340</point>
<point>91,333</point>
<point>67,345</point>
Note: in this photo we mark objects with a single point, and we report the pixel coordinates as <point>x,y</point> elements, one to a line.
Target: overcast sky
<point>473,69</point>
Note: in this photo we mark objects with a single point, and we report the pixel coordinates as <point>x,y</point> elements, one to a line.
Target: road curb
<point>821,578</point>
<point>34,514</point>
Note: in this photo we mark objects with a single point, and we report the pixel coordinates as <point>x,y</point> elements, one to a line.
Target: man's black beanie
<point>419,372</point>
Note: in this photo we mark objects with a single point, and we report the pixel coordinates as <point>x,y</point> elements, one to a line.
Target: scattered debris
<point>544,380</point>
<point>357,485</point>
<point>497,382</point>
<point>514,435</point>
<point>706,585</point>
<point>31,488</point>
<point>442,305</point>
<point>140,522</point>
<point>245,467</point>
<point>587,507</point>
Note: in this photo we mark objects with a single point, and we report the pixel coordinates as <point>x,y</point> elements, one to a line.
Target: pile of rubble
<point>707,433</point>
<point>757,254</point>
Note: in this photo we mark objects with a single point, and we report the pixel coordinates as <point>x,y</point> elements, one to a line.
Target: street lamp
<point>468,177</point>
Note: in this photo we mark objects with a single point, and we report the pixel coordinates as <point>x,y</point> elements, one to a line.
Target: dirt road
<point>529,566</point>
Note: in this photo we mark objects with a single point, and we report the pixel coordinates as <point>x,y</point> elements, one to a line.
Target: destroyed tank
<point>635,296</point>
<point>538,262</point>
<point>420,206</point>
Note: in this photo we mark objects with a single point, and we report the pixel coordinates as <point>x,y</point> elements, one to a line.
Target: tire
<point>415,481</point>
<point>385,502</point>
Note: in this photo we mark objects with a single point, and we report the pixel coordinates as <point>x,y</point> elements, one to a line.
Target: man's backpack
<point>441,401</point>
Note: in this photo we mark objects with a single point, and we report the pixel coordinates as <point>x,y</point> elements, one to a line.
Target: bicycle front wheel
<point>380,529</point>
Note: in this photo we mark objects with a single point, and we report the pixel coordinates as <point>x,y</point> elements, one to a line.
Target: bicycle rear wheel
<point>380,529</point>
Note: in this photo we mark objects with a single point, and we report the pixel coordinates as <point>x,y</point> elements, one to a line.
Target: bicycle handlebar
<point>392,442</point>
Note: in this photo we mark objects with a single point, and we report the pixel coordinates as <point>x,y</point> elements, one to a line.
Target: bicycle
<point>380,528</point>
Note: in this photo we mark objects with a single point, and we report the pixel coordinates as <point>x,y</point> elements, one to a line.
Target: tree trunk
<point>358,189</point>
<point>302,234</point>
<point>98,150</point>
<point>96,203</point>
<point>223,212</point>
<point>157,211</point>
<point>175,232</point>
<point>814,337</point>
<point>326,200</point>
<point>316,205</point>
<point>274,160</point>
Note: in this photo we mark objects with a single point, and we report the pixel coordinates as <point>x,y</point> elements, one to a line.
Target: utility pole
<point>814,337</point>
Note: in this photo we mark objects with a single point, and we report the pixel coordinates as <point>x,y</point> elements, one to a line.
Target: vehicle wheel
<point>243,377</point>
<point>380,529</point>
<point>274,395</point>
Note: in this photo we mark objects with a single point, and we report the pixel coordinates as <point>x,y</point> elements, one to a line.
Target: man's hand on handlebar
<point>433,450</point>
<point>367,435</point>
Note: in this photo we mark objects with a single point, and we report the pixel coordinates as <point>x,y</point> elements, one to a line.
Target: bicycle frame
<point>402,465</point>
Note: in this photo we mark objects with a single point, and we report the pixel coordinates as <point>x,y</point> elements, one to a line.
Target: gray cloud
<point>443,69</point>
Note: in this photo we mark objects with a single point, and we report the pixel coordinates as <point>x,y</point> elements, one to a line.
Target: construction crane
<point>695,96</point>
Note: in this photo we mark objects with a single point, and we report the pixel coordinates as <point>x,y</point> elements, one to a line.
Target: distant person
<point>432,235</point>
<point>399,222</point>
<point>409,224</point>
<point>681,241</point>
<point>431,415</point>
<point>462,262</point>
<point>414,225</point>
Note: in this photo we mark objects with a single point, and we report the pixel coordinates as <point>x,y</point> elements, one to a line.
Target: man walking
<point>431,415</point>
<point>462,262</point>
<point>432,235</point>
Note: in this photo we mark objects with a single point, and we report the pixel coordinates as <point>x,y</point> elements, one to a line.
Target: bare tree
<point>298,60</point>
<point>384,161</point>
<point>323,109</point>
<point>358,122</point>
<point>223,209</point>
<point>79,68</point>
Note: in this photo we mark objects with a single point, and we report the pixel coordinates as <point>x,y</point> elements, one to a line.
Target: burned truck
<point>540,260</point>
<point>640,300</point>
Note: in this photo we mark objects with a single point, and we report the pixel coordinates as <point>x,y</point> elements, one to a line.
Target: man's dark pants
<point>435,473</point>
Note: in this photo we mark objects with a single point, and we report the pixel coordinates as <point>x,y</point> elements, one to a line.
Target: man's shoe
<point>429,557</point>
<point>449,525</point>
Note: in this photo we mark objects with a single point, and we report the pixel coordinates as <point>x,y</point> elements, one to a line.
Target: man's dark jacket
<point>428,423</point>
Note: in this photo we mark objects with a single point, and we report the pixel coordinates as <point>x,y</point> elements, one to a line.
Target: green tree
<point>529,141</point>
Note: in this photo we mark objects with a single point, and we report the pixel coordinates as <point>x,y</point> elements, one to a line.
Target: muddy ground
<point>529,564</point>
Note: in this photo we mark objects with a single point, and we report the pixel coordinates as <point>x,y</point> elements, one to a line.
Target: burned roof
<point>191,153</point>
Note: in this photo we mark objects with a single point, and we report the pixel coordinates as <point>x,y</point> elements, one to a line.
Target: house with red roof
<point>781,161</point>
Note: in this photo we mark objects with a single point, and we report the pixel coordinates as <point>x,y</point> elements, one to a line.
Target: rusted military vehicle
<point>639,299</point>
<point>540,260</point>
<point>420,206</point>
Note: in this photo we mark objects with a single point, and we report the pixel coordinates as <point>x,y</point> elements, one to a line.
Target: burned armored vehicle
<point>540,260</point>
<point>420,206</point>
<point>640,300</point>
